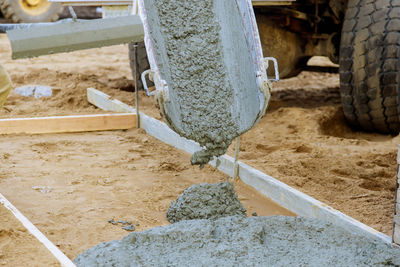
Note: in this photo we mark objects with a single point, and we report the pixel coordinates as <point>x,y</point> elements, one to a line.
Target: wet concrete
<point>206,201</point>
<point>238,240</point>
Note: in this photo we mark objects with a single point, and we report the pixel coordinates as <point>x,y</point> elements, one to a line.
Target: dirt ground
<point>86,179</point>
<point>304,141</point>
<point>71,185</point>
<point>14,235</point>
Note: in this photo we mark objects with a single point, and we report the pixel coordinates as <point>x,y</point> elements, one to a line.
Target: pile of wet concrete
<point>211,229</point>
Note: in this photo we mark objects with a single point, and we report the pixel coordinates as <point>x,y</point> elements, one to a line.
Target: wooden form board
<point>68,124</point>
<point>396,218</point>
<point>105,102</point>
<point>270,187</point>
<point>64,260</point>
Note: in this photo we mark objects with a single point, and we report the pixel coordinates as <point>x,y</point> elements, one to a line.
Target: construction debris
<point>126,225</point>
<point>34,90</point>
<point>42,189</point>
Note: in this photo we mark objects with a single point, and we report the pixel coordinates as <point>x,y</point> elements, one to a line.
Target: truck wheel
<point>30,10</point>
<point>143,62</point>
<point>283,45</point>
<point>370,65</point>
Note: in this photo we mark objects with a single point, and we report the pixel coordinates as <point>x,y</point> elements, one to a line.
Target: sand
<point>18,247</point>
<point>303,141</point>
<point>71,185</point>
<point>223,240</point>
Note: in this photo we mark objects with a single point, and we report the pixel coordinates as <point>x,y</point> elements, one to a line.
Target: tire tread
<point>370,66</point>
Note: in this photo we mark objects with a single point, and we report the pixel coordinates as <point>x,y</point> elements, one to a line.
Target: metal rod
<point>73,14</point>
<point>135,78</point>
<point>236,164</point>
<point>395,226</point>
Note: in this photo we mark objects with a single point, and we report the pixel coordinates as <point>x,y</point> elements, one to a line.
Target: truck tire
<point>30,10</point>
<point>370,65</point>
<point>143,62</point>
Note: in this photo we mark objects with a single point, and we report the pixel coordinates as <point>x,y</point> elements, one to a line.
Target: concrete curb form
<point>64,260</point>
<point>277,191</point>
<point>301,203</point>
<point>396,219</point>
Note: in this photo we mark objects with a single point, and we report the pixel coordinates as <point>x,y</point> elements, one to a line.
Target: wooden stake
<point>236,164</point>
<point>135,78</point>
<point>396,217</point>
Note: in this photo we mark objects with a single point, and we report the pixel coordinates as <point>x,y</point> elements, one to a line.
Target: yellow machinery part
<point>35,7</point>
<point>30,10</point>
<point>5,85</point>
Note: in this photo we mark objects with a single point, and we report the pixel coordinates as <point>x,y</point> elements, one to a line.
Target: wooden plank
<point>397,198</point>
<point>68,124</point>
<point>104,101</point>
<point>64,260</point>
<point>396,219</point>
<point>396,234</point>
<point>398,155</point>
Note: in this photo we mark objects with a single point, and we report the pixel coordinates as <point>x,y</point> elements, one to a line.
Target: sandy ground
<point>14,235</point>
<point>303,141</point>
<point>71,185</point>
<point>106,69</point>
